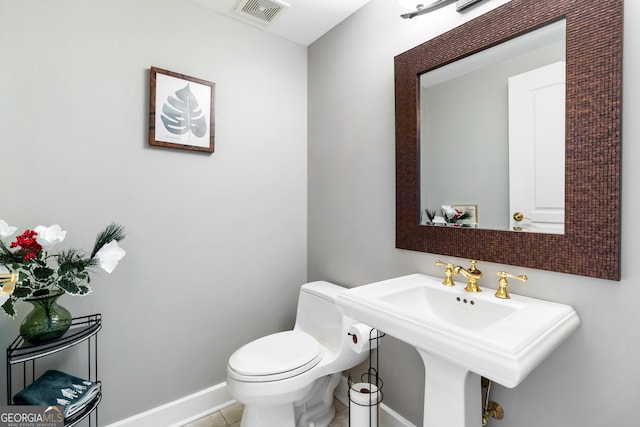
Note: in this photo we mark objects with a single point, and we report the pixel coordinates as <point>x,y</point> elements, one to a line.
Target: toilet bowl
<point>287,379</point>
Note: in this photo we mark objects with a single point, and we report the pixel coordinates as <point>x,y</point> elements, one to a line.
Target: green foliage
<point>6,256</point>
<point>73,287</point>
<point>431,214</point>
<point>8,307</point>
<point>22,291</point>
<point>72,271</point>
<point>112,232</point>
<point>42,273</point>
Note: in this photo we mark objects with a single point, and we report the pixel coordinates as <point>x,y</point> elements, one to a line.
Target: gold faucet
<point>448,272</point>
<point>502,283</point>
<point>473,275</point>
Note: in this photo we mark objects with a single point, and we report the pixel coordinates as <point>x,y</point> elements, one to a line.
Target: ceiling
<point>303,21</point>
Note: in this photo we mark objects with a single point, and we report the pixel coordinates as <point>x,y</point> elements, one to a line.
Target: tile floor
<point>230,417</point>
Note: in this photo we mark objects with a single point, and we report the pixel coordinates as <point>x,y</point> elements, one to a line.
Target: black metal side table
<point>23,353</point>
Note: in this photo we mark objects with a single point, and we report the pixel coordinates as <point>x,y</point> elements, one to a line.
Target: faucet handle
<point>502,283</point>
<point>473,268</point>
<point>448,272</point>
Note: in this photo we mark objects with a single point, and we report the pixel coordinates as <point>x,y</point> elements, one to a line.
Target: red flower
<point>28,244</point>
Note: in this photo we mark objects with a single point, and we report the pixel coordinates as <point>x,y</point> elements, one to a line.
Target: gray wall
<point>216,245</point>
<point>593,379</point>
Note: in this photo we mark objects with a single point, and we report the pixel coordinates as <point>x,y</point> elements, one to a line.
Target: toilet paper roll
<point>359,335</point>
<point>365,405</point>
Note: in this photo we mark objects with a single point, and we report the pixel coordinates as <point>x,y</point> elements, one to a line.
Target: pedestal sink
<point>461,336</point>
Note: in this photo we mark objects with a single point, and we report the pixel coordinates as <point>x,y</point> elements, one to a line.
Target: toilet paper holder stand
<point>372,379</point>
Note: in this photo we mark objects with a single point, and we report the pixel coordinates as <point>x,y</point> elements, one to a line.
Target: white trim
<point>182,411</point>
<point>205,402</point>
<point>388,417</point>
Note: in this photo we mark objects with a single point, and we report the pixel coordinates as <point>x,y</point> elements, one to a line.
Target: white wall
<point>593,379</point>
<point>216,245</point>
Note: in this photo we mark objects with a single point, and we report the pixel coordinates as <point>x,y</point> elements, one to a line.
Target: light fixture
<point>418,7</point>
<point>411,4</point>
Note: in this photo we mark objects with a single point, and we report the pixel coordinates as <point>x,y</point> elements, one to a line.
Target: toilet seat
<point>275,357</point>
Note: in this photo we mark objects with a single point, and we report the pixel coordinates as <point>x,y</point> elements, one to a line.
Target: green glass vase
<point>47,321</point>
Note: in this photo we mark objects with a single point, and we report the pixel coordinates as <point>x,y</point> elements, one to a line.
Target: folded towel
<point>58,388</point>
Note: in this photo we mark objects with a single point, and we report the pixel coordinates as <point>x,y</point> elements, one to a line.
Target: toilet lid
<point>284,354</point>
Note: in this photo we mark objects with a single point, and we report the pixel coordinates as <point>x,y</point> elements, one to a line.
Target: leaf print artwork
<point>181,111</point>
<point>182,114</point>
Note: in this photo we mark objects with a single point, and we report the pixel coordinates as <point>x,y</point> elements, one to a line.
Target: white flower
<point>109,255</point>
<point>448,211</point>
<point>451,212</point>
<point>48,237</point>
<point>6,230</point>
<point>439,220</point>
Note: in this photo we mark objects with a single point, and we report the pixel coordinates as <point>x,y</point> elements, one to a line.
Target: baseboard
<point>182,411</point>
<point>212,399</point>
<point>388,417</point>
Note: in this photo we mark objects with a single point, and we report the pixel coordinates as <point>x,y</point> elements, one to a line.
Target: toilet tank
<point>318,315</point>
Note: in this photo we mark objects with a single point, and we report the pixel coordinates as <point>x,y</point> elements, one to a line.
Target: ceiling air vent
<point>265,11</point>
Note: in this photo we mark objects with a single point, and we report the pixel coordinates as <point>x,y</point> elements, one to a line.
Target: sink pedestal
<point>452,395</point>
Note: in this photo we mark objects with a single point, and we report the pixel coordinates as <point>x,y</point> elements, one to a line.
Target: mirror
<point>485,121</point>
<point>590,243</point>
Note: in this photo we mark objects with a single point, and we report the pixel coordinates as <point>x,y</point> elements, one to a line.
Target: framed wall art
<point>470,214</point>
<point>181,111</point>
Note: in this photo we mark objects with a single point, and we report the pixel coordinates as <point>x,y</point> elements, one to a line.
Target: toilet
<point>287,379</point>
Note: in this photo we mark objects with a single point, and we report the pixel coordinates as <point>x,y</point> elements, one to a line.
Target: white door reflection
<point>536,149</point>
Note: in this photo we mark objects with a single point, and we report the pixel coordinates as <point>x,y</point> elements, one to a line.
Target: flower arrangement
<point>33,271</point>
<point>448,216</point>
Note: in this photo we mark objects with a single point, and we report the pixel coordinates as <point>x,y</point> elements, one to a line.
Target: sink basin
<point>500,339</point>
<point>461,336</point>
<point>448,306</point>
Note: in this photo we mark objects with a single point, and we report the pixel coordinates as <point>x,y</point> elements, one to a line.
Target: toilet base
<point>315,409</point>
<point>282,416</point>
<point>273,415</point>
<point>318,410</point>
